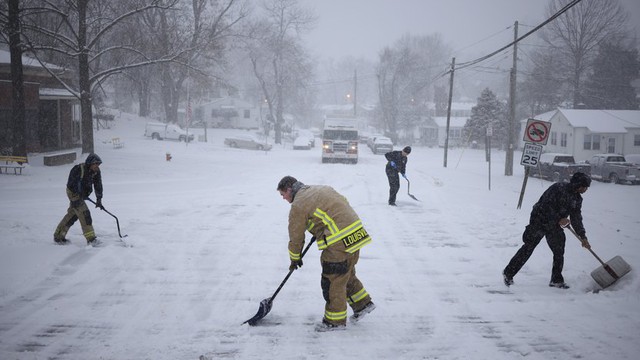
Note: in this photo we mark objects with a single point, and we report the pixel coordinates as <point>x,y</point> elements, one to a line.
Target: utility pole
<point>446,138</point>
<point>508,163</point>
<point>355,92</point>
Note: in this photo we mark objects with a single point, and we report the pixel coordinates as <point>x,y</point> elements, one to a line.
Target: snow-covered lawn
<point>209,238</point>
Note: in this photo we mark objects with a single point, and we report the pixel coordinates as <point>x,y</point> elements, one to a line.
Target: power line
<point>557,14</point>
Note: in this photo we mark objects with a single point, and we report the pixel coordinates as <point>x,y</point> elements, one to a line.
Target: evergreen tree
<point>489,111</point>
<point>609,86</point>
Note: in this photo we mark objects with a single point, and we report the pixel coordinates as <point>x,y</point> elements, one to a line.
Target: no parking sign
<point>537,131</point>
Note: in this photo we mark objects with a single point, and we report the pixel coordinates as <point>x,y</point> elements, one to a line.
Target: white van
<point>162,131</point>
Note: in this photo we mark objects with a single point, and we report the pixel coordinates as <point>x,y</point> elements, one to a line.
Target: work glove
<point>295,264</point>
<point>99,204</point>
<point>393,164</point>
<point>585,242</point>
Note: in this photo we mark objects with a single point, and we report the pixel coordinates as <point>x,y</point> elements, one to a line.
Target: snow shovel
<point>117,222</point>
<point>265,305</point>
<point>408,188</point>
<point>610,271</point>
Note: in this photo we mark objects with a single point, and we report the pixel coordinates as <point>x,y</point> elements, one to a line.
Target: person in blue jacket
<point>83,178</point>
<point>396,163</point>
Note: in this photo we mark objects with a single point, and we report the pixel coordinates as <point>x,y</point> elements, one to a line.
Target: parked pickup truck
<point>614,168</point>
<point>162,131</point>
<point>558,167</point>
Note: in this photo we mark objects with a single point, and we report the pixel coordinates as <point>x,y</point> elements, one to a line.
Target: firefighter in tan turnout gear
<point>340,235</point>
<point>83,178</point>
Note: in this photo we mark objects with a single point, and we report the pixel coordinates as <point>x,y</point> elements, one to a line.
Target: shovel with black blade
<point>117,223</point>
<point>610,271</point>
<point>265,305</point>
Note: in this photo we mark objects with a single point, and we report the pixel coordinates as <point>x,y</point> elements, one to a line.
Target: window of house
<point>554,138</point>
<point>247,113</point>
<point>592,142</point>
<point>563,139</point>
<point>636,140</point>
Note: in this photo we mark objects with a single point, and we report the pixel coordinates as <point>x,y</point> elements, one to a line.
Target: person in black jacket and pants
<point>559,206</point>
<point>396,163</point>
<point>83,178</point>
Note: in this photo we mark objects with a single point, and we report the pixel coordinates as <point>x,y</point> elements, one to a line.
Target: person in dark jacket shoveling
<point>396,163</point>
<point>559,206</point>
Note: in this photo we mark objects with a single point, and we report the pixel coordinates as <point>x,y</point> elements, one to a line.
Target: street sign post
<point>536,134</point>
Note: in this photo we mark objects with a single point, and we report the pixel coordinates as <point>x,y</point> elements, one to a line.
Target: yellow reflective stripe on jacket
<point>335,316</point>
<point>310,226</point>
<point>357,296</point>
<point>294,256</point>
<point>353,236</point>
<point>327,220</point>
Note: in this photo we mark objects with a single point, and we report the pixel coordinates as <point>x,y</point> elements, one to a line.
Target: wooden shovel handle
<point>604,265</point>
<point>591,251</point>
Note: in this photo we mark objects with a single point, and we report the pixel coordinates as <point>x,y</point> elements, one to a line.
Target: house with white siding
<point>583,133</point>
<point>229,112</point>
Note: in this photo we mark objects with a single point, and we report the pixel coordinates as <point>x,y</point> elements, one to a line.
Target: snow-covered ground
<point>209,238</point>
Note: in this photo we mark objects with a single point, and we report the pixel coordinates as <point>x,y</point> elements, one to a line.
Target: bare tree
<point>575,36</point>
<point>542,87</point>
<point>199,30</point>
<point>17,130</point>
<point>280,63</point>
<point>405,78</point>
<point>76,31</point>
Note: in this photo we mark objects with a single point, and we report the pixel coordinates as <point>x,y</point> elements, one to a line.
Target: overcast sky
<point>361,28</point>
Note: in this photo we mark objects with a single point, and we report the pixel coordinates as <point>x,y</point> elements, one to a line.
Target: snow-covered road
<point>208,231</point>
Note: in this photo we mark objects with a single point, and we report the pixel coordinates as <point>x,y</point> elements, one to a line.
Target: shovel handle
<point>313,239</point>
<point>591,251</point>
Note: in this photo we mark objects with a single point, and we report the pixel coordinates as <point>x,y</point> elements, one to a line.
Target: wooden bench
<point>59,158</point>
<point>12,163</point>
<point>117,144</point>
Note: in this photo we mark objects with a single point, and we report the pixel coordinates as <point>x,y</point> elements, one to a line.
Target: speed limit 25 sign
<point>531,154</point>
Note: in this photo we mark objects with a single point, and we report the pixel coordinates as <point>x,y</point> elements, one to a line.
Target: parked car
<point>558,167</point>
<point>381,145</point>
<point>246,141</point>
<point>302,143</point>
<point>309,135</point>
<point>614,168</point>
<point>162,131</point>
<point>371,139</point>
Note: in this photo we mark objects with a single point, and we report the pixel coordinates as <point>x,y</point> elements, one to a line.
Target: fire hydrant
<point>168,155</point>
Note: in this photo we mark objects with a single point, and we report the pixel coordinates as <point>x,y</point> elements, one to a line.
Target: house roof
<point>603,121</point>
<point>5,58</point>
<point>453,121</point>
<point>597,121</point>
<point>48,93</point>
<point>228,102</point>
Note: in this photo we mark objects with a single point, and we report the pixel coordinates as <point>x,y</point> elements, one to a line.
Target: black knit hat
<point>580,179</point>
<point>407,149</point>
